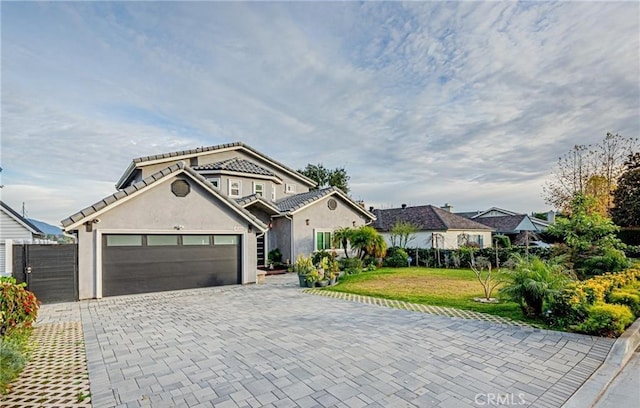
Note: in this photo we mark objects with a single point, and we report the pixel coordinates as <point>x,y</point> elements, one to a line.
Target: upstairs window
<point>258,189</point>
<point>290,188</point>
<point>235,188</point>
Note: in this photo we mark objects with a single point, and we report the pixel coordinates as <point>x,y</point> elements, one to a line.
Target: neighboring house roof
<point>508,223</point>
<point>483,214</point>
<point>295,203</point>
<point>469,214</point>
<point>256,199</point>
<point>425,218</point>
<point>20,219</point>
<point>236,165</point>
<point>101,206</point>
<point>186,154</point>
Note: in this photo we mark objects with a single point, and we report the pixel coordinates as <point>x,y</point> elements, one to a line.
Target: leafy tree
<point>586,233</point>
<point>626,200</point>
<point>337,177</point>
<point>401,233</point>
<point>591,170</point>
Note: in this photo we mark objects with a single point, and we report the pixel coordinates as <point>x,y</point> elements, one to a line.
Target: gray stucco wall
<point>321,217</point>
<point>158,210</point>
<point>280,237</point>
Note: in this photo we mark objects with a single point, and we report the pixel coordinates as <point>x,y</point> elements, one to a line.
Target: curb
<point>595,386</point>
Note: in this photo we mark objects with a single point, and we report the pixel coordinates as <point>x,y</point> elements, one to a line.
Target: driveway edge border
<point>594,387</point>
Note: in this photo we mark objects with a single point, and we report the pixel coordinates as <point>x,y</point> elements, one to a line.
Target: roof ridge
<point>435,211</point>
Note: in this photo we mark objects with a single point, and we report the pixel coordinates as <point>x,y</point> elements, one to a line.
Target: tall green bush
<point>396,258</point>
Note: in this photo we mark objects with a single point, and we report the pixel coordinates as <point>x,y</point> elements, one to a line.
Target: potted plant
<point>303,267</point>
<point>333,278</point>
<point>322,283</point>
<point>335,269</point>
<point>312,277</point>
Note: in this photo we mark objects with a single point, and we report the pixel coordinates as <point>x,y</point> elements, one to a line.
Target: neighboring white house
<point>437,227</point>
<point>13,229</point>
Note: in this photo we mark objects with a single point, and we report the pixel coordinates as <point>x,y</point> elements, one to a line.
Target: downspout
<point>291,240</point>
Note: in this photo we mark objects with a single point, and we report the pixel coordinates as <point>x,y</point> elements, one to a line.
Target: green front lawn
<point>429,286</point>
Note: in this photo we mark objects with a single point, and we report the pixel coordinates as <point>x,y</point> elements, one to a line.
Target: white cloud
<point>462,102</point>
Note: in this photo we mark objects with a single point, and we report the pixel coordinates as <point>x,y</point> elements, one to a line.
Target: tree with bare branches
<point>591,170</point>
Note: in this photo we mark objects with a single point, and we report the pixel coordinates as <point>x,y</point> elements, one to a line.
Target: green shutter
<point>319,241</point>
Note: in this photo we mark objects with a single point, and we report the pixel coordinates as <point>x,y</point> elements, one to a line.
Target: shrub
<point>621,297</point>
<point>531,282</point>
<point>351,265</point>
<point>275,256</point>
<point>611,260</point>
<point>568,306</point>
<point>606,320</point>
<point>18,306</point>
<point>396,258</point>
<point>13,356</point>
<point>632,251</point>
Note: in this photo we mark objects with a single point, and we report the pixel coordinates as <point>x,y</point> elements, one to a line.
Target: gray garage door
<point>154,263</point>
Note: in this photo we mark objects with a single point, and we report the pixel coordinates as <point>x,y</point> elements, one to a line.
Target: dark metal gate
<point>50,271</point>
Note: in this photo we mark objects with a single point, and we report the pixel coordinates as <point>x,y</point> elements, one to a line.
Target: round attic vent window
<point>180,188</point>
<point>332,204</point>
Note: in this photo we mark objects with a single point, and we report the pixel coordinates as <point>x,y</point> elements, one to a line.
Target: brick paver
<point>275,346</point>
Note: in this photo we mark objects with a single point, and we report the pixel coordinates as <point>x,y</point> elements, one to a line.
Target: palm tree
<point>532,281</point>
<point>341,238</point>
<point>368,241</point>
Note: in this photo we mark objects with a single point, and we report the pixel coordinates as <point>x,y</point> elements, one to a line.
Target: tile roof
<point>505,223</point>
<point>237,165</point>
<point>21,219</point>
<point>300,200</point>
<point>192,152</point>
<point>296,202</point>
<point>256,198</point>
<point>425,217</point>
<point>186,152</point>
<point>120,194</point>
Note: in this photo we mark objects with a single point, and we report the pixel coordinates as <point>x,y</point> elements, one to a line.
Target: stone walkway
<point>56,375</point>
<point>414,307</point>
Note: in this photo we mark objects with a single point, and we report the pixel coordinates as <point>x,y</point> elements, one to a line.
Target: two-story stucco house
<point>202,217</point>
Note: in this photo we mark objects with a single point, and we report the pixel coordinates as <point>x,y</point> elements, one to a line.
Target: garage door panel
<point>142,269</point>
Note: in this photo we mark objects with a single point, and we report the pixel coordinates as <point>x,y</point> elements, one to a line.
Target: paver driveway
<point>271,345</point>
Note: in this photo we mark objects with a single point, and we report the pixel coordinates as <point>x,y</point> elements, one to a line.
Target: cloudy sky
<point>469,103</point>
